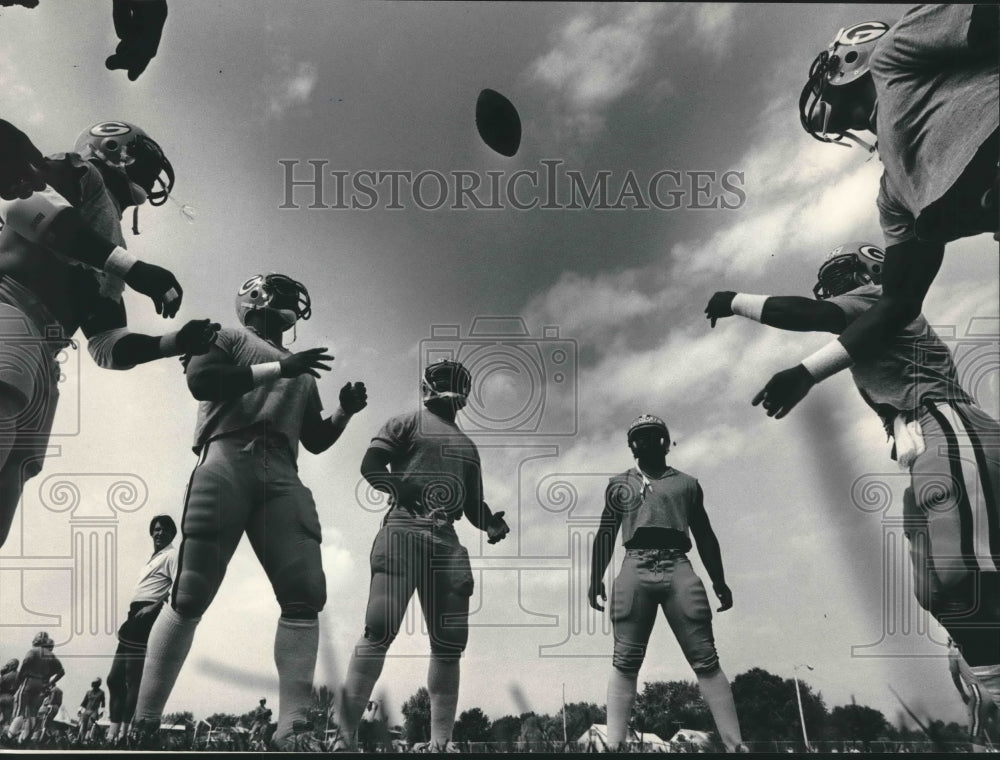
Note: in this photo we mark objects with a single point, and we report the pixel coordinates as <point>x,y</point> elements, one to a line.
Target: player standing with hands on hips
<point>258,402</point>
<point>432,472</point>
<point>656,507</point>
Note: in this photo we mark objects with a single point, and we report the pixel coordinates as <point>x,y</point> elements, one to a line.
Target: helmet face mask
<point>847,267</point>
<point>446,379</point>
<point>280,295</point>
<point>126,150</point>
<point>839,81</point>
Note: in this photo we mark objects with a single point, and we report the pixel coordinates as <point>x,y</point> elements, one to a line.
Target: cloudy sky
<point>574,319</point>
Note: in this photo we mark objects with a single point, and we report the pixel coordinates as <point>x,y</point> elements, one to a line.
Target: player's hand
<point>353,397</point>
<point>720,305</point>
<point>197,336</point>
<point>306,363</point>
<point>149,609</point>
<point>139,26</point>
<point>725,596</point>
<point>784,391</point>
<point>157,283</point>
<point>21,164</point>
<point>498,529</point>
<point>597,590</point>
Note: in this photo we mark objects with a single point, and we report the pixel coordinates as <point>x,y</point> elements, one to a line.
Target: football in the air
<point>498,122</point>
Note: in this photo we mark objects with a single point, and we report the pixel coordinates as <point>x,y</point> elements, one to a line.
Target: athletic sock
<point>621,697</point>
<point>718,694</point>
<point>442,684</point>
<point>362,674</point>
<point>295,645</point>
<point>169,644</point>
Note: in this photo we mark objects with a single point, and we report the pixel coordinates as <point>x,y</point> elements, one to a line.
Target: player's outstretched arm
<point>603,548</point>
<point>709,550</point>
<point>793,313</point>
<point>482,517</point>
<point>22,165</point>
<point>139,26</point>
<point>319,433</point>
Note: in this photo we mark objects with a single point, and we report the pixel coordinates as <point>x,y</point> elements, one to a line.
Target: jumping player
<point>949,444</point>
<point>63,267</point>
<point>431,470</point>
<point>929,88</point>
<point>657,509</point>
<point>258,402</point>
<point>151,592</point>
<point>40,670</point>
<point>90,709</point>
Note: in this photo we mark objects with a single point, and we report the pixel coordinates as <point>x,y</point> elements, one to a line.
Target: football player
<point>40,669</point>
<point>8,685</point>
<point>90,709</point>
<point>47,712</point>
<point>258,402</point>
<point>151,592</point>
<point>657,509</point>
<point>949,444</point>
<point>431,471</point>
<point>928,87</point>
<point>63,268</point>
<point>983,714</point>
<point>261,720</point>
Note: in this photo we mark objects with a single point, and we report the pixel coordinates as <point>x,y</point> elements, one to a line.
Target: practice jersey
<point>8,682</point>
<point>93,700</point>
<point>38,663</point>
<point>435,458</point>
<point>643,502</point>
<point>916,367</point>
<point>937,104</point>
<point>280,404</point>
<point>69,287</point>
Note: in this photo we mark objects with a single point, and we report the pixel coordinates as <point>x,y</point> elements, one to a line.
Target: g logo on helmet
<point>254,282</point>
<point>875,254</point>
<point>110,129</point>
<point>862,33</point>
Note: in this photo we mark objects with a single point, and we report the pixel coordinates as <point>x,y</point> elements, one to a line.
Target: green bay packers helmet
<point>278,293</point>
<point>648,422</point>
<point>446,379</point>
<point>127,148</point>
<point>847,267</point>
<point>42,639</point>
<point>12,664</point>
<point>837,76</point>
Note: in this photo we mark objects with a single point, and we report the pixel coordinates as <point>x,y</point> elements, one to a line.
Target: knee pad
<point>379,636</point>
<point>706,667</point>
<point>627,659</point>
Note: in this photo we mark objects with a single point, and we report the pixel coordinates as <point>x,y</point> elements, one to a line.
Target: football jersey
<point>917,366</point>
<point>435,458</point>
<point>280,404</point>
<point>937,104</point>
<point>38,663</point>
<point>643,502</point>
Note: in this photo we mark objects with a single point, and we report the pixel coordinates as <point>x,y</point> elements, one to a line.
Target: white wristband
<point>168,345</point>
<point>748,305</point>
<point>828,361</point>
<point>119,262</point>
<point>266,372</point>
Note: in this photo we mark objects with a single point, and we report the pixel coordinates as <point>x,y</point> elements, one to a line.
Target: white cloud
<point>292,86</point>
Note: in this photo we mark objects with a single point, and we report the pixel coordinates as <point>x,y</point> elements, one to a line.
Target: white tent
<point>597,735</point>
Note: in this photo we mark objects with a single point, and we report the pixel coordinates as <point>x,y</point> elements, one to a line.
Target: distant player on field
<point>949,444</point>
<point>657,509</point>
<point>91,708</point>
<point>40,669</point>
<point>929,88</point>
<point>258,402</point>
<point>431,469</point>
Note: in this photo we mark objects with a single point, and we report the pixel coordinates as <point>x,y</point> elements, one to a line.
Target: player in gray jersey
<point>259,401</point>
<point>949,444</point>
<point>657,509</point>
<point>431,470</point>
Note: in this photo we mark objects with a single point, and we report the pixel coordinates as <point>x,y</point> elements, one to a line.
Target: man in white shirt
<point>151,591</point>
